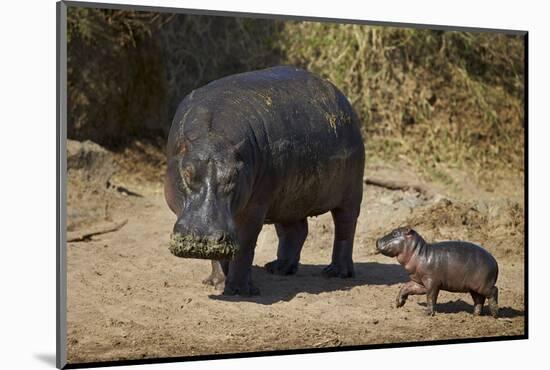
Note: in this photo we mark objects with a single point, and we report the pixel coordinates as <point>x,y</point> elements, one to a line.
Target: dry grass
<point>435,99</point>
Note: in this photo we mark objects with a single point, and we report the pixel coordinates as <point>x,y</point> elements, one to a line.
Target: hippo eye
<point>227,181</point>
<point>227,187</point>
<point>188,176</point>
<point>227,176</point>
<point>395,234</point>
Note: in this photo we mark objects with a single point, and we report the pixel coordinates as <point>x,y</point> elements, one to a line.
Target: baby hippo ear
<point>409,232</point>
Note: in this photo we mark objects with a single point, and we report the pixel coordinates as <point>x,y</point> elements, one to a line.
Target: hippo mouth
<point>382,245</point>
<point>379,246</point>
<point>188,247</point>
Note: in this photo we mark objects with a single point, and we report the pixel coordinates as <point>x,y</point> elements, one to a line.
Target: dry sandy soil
<point>129,298</point>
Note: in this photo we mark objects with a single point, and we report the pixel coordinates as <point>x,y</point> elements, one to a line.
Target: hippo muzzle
<point>213,248</point>
<point>395,242</point>
<point>211,243</point>
<point>379,246</point>
<point>382,244</point>
<point>207,233</point>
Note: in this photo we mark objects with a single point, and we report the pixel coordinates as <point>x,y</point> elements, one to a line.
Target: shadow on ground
<point>275,288</point>
<point>461,306</point>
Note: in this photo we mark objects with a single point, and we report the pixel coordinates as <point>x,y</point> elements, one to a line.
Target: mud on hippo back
<point>273,146</point>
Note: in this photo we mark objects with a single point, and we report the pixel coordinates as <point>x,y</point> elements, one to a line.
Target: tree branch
<point>397,185</point>
<point>87,236</point>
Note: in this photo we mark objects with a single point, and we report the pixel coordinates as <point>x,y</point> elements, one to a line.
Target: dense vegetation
<point>433,98</point>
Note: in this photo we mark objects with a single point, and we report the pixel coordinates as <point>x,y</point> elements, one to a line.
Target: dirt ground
<point>129,298</point>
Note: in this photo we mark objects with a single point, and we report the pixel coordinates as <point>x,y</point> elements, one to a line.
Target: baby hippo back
<point>462,266</point>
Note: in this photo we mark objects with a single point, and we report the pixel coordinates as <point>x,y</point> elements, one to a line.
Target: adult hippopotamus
<point>271,146</point>
<point>454,266</point>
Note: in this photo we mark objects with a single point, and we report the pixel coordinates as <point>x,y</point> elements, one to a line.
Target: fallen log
<point>81,236</point>
<point>397,185</point>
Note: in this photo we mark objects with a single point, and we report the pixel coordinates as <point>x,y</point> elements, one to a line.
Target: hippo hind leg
<point>493,301</point>
<point>345,221</point>
<point>432,291</point>
<point>218,274</point>
<point>479,300</point>
<point>291,239</point>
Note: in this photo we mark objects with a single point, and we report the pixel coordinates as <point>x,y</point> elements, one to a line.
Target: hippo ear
<point>409,232</point>
<point>182,148</point>
<point>239,165</point>
<point>238,147</point>
<point>238,150</point>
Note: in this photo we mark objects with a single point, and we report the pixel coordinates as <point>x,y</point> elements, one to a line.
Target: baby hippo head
<point>396,241</point>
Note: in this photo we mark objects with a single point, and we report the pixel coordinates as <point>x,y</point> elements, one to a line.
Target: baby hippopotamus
<point>454,266</point>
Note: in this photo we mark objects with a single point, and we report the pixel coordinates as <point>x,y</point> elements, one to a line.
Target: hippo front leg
<point>341,265</point>
<point>218,274</point>
<point>239,274</point>
<point>239,277</point>
<point>410,288</point>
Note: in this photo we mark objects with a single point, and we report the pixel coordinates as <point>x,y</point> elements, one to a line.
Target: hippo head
<point>205,189</point>
<point>396,242</point>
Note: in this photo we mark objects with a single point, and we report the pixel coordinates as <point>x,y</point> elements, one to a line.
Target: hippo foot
<point>217,276</point>
<point>341,270</point>
<point>493,302</point>
<point>429,312</point>
<point>478,309</point>
<point>216,281</point>
<point>400,301</point>
<point>282,267</point>
<point>245,290</point>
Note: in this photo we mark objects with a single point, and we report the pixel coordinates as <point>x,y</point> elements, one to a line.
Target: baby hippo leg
<point>410,288</point>
<point>479,300</point>
<point>493,302</point>
<point>432,291</point>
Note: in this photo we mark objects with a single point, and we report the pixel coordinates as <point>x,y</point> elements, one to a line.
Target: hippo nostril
<point>178,229</point>
<point>218,236</point>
